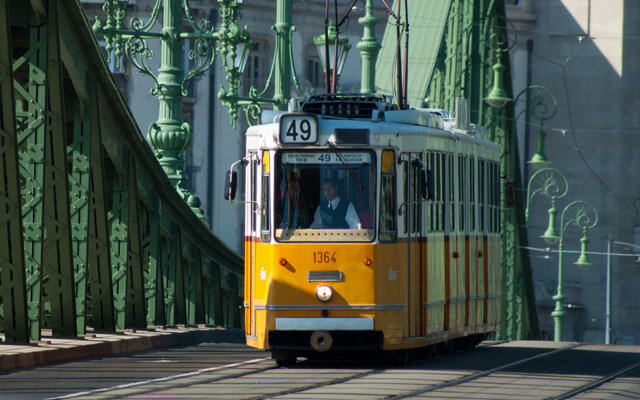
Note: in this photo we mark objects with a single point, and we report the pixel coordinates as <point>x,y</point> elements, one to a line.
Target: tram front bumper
<point>325,324</point>
<point>324,334</point>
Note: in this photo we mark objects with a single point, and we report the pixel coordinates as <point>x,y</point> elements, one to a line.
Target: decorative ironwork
<point>550,183</point>
<point>553,184</point>
<point>170,135</point>
<point>537,108</point>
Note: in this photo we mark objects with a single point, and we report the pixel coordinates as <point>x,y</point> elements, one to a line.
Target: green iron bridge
<point>97,231</point>
<point>92,232</point>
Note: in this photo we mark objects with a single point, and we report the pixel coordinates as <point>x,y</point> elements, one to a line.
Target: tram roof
<point>383,128</point>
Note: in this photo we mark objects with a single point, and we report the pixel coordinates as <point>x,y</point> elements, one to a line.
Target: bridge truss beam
<point>92,233</point>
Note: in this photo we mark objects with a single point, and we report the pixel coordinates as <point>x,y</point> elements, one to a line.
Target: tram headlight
<point>324,293</point>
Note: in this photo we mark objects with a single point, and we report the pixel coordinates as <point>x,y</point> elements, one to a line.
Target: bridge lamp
<point>497,97</point>
<point>551,234</point>
<point>239,59</point>
<point>583,260</point>
<point>552,184</point>
<point>336,47</point>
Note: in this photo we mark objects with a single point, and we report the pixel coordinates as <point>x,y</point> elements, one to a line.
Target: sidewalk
<point>53,350</point>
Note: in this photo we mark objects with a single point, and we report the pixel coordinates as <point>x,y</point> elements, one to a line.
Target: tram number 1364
<point>324,257</point>
<point>298,128</point>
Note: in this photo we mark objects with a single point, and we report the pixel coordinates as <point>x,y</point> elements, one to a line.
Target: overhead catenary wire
<point>595,253</point>
<point>565,87</point>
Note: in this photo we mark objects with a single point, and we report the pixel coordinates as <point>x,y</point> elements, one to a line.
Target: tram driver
<point>297,209</point>
<point>333,213</point>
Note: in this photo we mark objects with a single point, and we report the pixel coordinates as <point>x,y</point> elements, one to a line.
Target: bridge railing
<point>92,233</point>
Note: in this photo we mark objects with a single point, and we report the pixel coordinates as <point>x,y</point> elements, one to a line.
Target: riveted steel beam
<point>172,275</point>
<point>192,282</point>
<point>213,293</point>
<point>128,288</point>
<point>189,279</point>
<point>58,289</point>
<point>149,222</point>
<point>180,300</point>
<point>13,306</point>
<point>199,317</point>
<point>30,117</point>
<point>135,307</point>
<point>100,310</point>
<point>79,152</point>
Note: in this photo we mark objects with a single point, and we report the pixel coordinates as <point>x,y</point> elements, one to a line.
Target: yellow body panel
<point>381,290</point>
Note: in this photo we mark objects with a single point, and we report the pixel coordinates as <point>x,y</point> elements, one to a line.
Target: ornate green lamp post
<point>337,49</point>
<point>369,48</point>
<point>170,135</point>
<point>583,215</point>
<point>540,111</point>
<point>552,183</point>
<point>282,73</point>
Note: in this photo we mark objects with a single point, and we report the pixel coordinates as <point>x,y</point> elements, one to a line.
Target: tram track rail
<point>344,379</point>
<point>480,374</point>
<point>596,383</point>
<point>265,370</point>
<point>170,382</point>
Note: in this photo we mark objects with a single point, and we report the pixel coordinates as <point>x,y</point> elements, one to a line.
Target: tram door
<point>416,243</point>
<point>251,237</point>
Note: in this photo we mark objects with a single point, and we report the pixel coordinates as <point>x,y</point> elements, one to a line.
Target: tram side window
<point>493,192</point>
<point>462,179</point>
<point>490,200</point>
<point>416,199</point>
<point>388,230</point>
<point>264,211</point>
<point>435,204</point>
<point>472,194</point>
<point>412,209</point>
<point>451,208</point>
<point>254,185</point>
<point>481,195</point>
<point>496,189</point>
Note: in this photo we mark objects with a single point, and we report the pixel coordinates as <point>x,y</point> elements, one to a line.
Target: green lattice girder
<point>86,205</point>
<point>45,207</point>
<point>58,289</point>
<point>13,307</point>
<point>428,20</point>
<point>30,118</point>
<point>100,310</point>
<point>126,251</point>
<point>213,294</point>
<point>192,274</point>
<point>154,293</point>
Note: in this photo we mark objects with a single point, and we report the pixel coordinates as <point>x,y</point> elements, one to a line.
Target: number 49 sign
<point>298,128</point>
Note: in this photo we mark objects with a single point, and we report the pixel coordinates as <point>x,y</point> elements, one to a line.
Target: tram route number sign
<point>298,128</point>
<point>316,157</point>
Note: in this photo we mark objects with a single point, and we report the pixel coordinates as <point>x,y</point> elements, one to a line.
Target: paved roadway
<point>515,370</point>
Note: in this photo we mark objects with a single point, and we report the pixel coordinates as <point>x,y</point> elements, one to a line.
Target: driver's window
<point>388,213</point>
<point>329,190</point>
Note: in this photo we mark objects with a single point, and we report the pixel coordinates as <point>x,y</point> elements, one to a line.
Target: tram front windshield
<point>325,196</point>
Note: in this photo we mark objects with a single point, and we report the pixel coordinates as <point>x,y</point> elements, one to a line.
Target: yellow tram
<point>368,228</point>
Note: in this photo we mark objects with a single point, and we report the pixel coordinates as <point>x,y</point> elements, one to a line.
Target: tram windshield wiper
<point>332,147</point>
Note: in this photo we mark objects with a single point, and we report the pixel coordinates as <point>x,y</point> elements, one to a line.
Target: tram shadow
<point>540,356</point>
<point>388,359</point>
<point>521,357</point>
